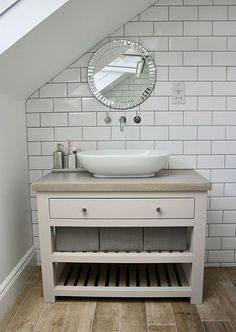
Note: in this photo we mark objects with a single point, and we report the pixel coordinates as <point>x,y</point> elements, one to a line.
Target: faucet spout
<point>122,121</point>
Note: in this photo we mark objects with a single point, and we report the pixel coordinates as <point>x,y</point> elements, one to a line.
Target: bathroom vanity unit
<point>149,208</point>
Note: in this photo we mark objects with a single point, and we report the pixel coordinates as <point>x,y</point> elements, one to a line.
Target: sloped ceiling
<point>59,40</point>
<point>22,17</point>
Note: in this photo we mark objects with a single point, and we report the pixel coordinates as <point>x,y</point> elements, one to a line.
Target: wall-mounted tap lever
<point>122,121</point>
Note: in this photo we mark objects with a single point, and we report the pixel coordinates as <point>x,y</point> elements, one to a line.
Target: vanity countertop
<point>165,180</point>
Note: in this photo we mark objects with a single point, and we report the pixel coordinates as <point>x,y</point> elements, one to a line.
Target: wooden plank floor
<point>216,314</point>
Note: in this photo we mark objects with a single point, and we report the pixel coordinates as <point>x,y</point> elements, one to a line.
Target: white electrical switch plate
<point>178,94</point>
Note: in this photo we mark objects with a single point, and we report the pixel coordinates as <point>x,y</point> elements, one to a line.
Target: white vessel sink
<point>123,163</point>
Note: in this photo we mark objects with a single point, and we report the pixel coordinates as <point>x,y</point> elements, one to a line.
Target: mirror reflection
<point>121,74</point>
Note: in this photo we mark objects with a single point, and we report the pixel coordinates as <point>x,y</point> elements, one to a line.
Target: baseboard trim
<point>14,282</point>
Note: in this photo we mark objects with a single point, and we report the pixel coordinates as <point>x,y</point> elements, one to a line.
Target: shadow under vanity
<point>123,237</point>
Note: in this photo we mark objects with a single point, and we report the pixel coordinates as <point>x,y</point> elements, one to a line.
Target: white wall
<point>193,41</point>
<point>15,219</point>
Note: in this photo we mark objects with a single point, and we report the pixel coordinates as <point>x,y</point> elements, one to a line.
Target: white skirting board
<point>15,281</point>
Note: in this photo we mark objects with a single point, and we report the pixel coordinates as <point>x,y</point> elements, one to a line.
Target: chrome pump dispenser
<point>58,157</point>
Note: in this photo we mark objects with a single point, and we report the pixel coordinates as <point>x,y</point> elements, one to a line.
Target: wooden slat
<point>142,276</point>
<point>102,275</point>
<point>83,275</point>
<point>122,277</point>
<point>132,275</point>
<point>92,276</point>
<point>152,276</point>
<point>162,275</point>
<point>73,275</point>
<point>112,278</point>
<point>64,274</point>
<point>172,276</point>
<point>181,274</point>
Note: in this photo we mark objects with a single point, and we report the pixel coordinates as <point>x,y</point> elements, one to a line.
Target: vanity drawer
<point>160,208</point>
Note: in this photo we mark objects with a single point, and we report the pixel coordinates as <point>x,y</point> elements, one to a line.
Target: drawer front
<point>161,208</point>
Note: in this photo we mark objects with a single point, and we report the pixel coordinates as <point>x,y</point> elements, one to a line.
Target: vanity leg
<point>198,249</point>
<point>197,266</point>
<point>45,235</point>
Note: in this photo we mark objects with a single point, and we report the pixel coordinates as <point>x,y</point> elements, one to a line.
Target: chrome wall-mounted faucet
<point>122,121</point>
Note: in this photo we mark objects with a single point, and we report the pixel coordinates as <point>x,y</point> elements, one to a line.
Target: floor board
<point>220,283</point>
<point>162,328</point>
<point>80,316</point>
<point>133,316</point>
<point>159,312</point>
<point>186,317</point>
<point>218,327</point>
<point>29,313</point>
<point>107,316</point>
<point>52,318</point>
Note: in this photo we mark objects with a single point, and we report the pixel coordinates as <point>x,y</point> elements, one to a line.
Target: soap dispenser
<point>58,157</point>
<point>72,160</point>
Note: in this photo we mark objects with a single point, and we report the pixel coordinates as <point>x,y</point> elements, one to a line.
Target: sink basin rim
<point>124,153</point>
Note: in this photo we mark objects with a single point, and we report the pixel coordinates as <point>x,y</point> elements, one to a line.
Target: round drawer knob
<point>84,210</point>
<point>158,209</point>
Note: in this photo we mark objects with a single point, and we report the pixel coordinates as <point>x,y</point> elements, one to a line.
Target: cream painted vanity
<point>173,199</point>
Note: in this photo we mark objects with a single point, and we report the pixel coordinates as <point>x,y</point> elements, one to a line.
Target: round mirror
<point>121,74</point>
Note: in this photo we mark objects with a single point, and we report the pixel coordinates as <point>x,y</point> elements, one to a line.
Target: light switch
<point>178,93</point>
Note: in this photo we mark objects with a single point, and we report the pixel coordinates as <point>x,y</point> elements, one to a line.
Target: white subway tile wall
<point>192,41</point>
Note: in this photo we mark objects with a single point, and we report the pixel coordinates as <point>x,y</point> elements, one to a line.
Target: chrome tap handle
<point>122,121</point>
<point>107,118</point>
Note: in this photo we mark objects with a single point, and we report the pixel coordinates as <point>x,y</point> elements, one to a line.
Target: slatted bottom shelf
<point>123,280</point>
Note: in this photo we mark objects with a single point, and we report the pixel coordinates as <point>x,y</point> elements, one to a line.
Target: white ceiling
<point>59,40</point>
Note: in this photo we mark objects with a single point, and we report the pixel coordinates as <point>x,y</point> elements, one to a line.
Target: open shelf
<point>124,257</point>
<point>123,280</point>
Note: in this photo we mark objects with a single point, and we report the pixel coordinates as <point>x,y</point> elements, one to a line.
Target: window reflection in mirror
<point>121,74</point>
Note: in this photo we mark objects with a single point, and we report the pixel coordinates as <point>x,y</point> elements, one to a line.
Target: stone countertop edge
<point>165,180</point>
